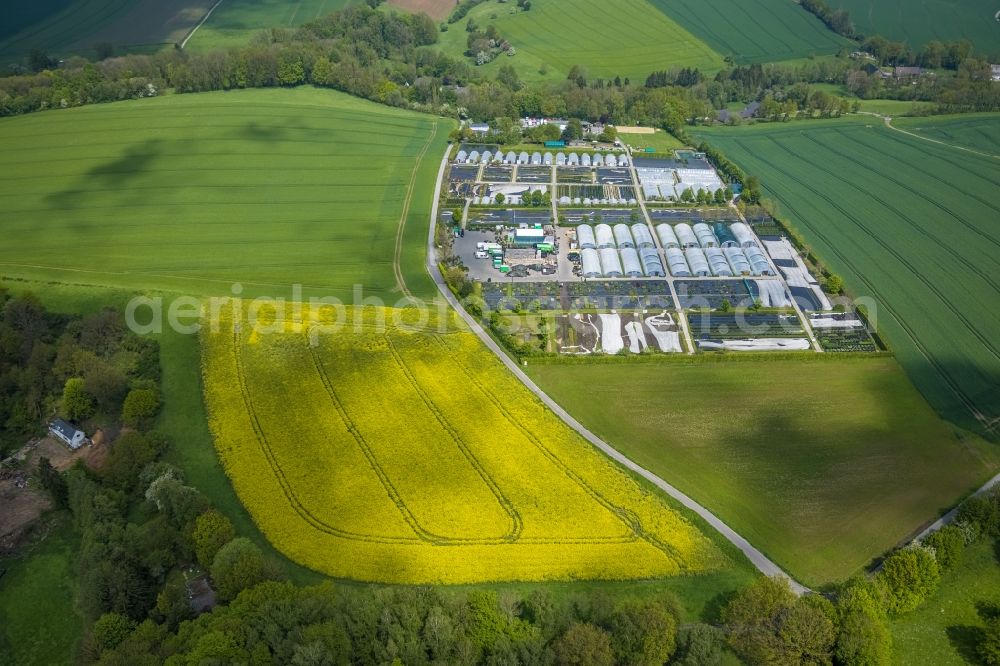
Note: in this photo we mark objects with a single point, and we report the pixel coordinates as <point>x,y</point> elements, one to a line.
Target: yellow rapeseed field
<point>412,456</point>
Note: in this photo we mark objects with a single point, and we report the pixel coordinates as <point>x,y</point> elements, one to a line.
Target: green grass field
<point>976,131</point>
<point>192,193</point>
<point>754,30</point>
<point>38,619</point>
<point>822,464</point>
<point>907,223</point>
<point>628,38</point>
<point>944,631</point>
<point>917,22</point>
<point>662,142</point>
<point>234,22</point>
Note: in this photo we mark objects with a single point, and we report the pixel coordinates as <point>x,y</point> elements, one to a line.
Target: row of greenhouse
<point>717,261</point>
<point>621,235</point>
<point>702,235</point>
<point>540,159</point>
<point>626,262</point>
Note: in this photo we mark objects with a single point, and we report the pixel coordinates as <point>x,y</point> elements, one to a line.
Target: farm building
<point>585,237</point>
<point>623,237</point>
<point>67,433</point>
<point>462,157</point>
<point>677,263</point>
<point>560,159</point>
<point>610,264</point>
<point>725,236</point>
<point>705,237</point>
<point>685,235</point>
<point>536,158</point>
<point>642,236</point>
<point>586,160</point>
<point>758,262</point>
<point>479,128</point>
<point>743,234</point>
<point>510,158</point>
<point>667,236</point>
<point>605,236</point>
<point>527,237</point>
<point>523,158</point>
<point>573,159</point>
<point>630,262</point>
<point>717,262</point>
<point>591,263</point>
<point>737,260</point>
<point>547,159</point>
<point>697,261</point>
<point>651,264</point>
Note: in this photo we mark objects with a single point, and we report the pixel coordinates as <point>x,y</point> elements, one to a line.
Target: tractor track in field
<point>397,256</point>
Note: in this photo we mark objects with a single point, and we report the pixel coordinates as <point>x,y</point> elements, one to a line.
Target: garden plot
<point>616,176</point>
<point>498,173</point>
<point>463,173</point>
<point>575,216</point>
<point>618,294</point>
<point>534,174</point>
<point>578,175</point>
<point>842,332</point>
<point>614,333</point>
<point>519,296</point>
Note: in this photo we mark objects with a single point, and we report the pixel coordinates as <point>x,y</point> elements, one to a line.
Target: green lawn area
<point>916,22</point>
<point>628,38</point>
<point>234,22</point>
<point>755,30</point>
<point>38,619</point>
<point>821,463</point>
<point>192,193</point>
<point>944,631</point>
<point>976,131</point>
<point>661,141</point>
<point>910,225</point>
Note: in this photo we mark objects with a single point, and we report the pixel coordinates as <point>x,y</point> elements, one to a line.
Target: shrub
<point>212,531</point>
<point>140,405</point>
<point>583,644</point>
<point>238,565</point>
<point>77,404</point>
<point>910,576</point>
<point>948,544</point>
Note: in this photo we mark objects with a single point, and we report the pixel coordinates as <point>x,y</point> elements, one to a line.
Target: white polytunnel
<point>651,264</point>
<point>598,159</point>
<point>474,157</point>
<point>585,237</point>
<point>742,233</point>
<point>560,159</point>
<point>591,263</point>
<point>605,237</point>
<point>536,158</point>
<point>585,159</point>
<point>523,158</point>
<point>705,235</point>
<point>630,262</point>
<point>697,261</point>
<point>462,156</point>
<point>510,158</point>
<point>640,232</point>
<point>717,262</point>
<point>623,237</point>
<point>685,235</point>
<point>610,264</point>
<point>573,159</point>
<point>737,260</point>
<point>667,236</point>
<point>677,263</point>
<point>487,157</point>
<point>758,262</point>
<point>547,159</point>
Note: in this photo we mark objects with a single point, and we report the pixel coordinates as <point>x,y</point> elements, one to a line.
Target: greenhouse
<point>510,158</point>
<point>667,236</point>
<point>685,235</point>
<point>474,157</point>
<point>610,265</point>
<point>462,156</point>
<point>605,237</point>
<point>523,158</point>
<point>651,264</point>
<point>630,262</point>
<point>623,237</point>
<point>585,237</point>
<point>758,262</point>
<point>487,157</point>
<point>742,233</point>
<point>598,160</point>
<point>591,263</point>
<point>547,159</point>
<point>651,191</point>
<point>536,159</point>
<point>585,159</point>
<point>642,236</point>
<point>677,263</point>
<point>560,159</point>
<point>717,262</point>
<point>697,261</point>
<point>573,159</point>
<point>705,237</point>
<point>737,261</point>
<point>725,236</point>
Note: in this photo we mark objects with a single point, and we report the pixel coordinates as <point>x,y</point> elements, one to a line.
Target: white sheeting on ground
<point>758,344</point>
<point>611,333</point>
<point>636,337</point>
<point>666,340</point>
<point>773,294</point>
<point>829,322</point>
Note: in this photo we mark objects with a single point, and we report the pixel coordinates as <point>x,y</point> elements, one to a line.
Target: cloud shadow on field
<point>118,172</point>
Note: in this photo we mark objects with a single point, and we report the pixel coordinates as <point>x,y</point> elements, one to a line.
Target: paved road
<point>759,560</point>
<point>949,517</point>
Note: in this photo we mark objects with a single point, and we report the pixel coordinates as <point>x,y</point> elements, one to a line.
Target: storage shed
<point>685,235</point>
<point>585,237</point>
<point>677,263</point>
<point>623,237</point>
<point>591,263</point>
<point>706,238</point>
<point>667,236</point>
<point>697,261</point>
<point>605,237</point>
<point>610,264</point>
<point>640,232</point>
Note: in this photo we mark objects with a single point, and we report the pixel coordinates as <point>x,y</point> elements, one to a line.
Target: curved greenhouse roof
<point>718,263</point>
<point>705,237</point>
<point>623,237</point>
<point>605,237</point>
<point>585,159</point>
<point>572,159</point>
<point>697,261</point>
<point>560,159</point>
<point>640,232</point>
<point>737,260</point>
<point>536,158</point>
<point>725,236</point>
<point>667,236</point>
<point>742,233</point>
<point>474,156</point>
<point>610,265</point>
<point>677,263</point>
<point>585,237</point>
<point>651,264</point>
<point>547,159</point>
<point>510,158</point>
<point>758,262</point>
<point>598,159</point>
<point>591,263</point>
<point>685,235</point>
<point>630,262</point>
<point>462,156</point>
<point>523,158</point>
<point>487,157</point>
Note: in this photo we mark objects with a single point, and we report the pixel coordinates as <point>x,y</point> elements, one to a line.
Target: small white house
<point>69,434</point>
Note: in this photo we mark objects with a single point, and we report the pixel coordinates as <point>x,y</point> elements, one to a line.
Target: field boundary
<point>200,23</point>
<point>757,558</point>
<point>397,258</point>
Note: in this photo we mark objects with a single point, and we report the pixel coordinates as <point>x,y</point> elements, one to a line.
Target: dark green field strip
<point>979,132</point>
<point>754,30</point>
<point>65,27</point>
<point>17,16</point>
